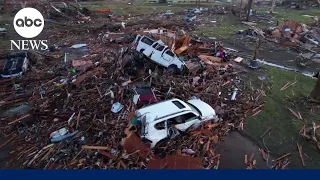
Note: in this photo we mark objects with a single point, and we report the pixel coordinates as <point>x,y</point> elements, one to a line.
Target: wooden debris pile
<point>75,105</point>
<point>282,162</point>
<point>311,133</point>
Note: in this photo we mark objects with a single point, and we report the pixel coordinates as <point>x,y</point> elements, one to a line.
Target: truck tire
<point>173,69</point>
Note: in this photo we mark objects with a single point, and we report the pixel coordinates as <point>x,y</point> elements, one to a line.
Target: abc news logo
<point>28,23</point>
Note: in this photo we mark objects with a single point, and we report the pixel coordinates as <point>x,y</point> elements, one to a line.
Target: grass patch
<point>292,14</point>
<point>125,9</point>
<point>297,15</point>
<point>225,27</point>
<point>228,24</point>
<point>285,127</point>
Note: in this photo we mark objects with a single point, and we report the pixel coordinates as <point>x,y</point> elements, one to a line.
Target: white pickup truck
<point>158,52</point>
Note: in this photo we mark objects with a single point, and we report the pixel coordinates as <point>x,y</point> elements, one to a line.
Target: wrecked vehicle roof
<point>162,109</point>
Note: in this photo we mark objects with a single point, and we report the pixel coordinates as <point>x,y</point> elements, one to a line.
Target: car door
<point>148,51</point>
<point>157,54</point>
<point>167,58</point>
<point>160,131</point>
<point>190,120</point>
<point>144,43</point>
<point>140,44</point>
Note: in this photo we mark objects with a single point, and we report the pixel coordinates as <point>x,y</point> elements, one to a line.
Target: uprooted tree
<point>315,94</point>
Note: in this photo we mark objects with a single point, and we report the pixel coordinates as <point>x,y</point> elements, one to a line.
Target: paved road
<point>233,150</point>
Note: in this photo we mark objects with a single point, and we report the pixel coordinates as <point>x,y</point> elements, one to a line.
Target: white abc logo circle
<point>28,22</point>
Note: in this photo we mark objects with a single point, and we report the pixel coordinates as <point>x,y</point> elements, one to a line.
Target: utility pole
<point>249,8</point>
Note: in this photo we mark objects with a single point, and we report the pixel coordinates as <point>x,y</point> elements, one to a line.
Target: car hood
<point>205,109</point>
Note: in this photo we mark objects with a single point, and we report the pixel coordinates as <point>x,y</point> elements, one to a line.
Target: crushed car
<point>158,52</point>
<point>3,32</point>
<point>190,17</point>
<point>15,65</point>
<point>195,10</point>
<point>164,120</point>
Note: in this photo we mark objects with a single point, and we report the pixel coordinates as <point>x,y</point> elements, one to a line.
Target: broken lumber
<point>287,86</point>
<point>264,156</point>
<point>245,159</point>
<point>313,107</point>
<point>95,147</point>
<point>284,166</point>
<point>251,157</point>
<point>255,109</point>
<point>256,113</point>
<point>11,102</point>
<point>288,154</point>
<point>104,153</point>
<point>302,129</point>
<point>294,113</point>
<point>300,154</point>
<point>299,115</point>
<point>7,142</point>
<point>19,119</point>
<point>283,87</point>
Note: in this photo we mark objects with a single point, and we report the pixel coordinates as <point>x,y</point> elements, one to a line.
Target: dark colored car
<point>16,64</point>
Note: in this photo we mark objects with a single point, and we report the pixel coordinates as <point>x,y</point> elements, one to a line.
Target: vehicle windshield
<point>195,109</point>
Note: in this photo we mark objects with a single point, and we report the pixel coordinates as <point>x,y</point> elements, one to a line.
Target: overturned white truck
<point>158,52</point>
